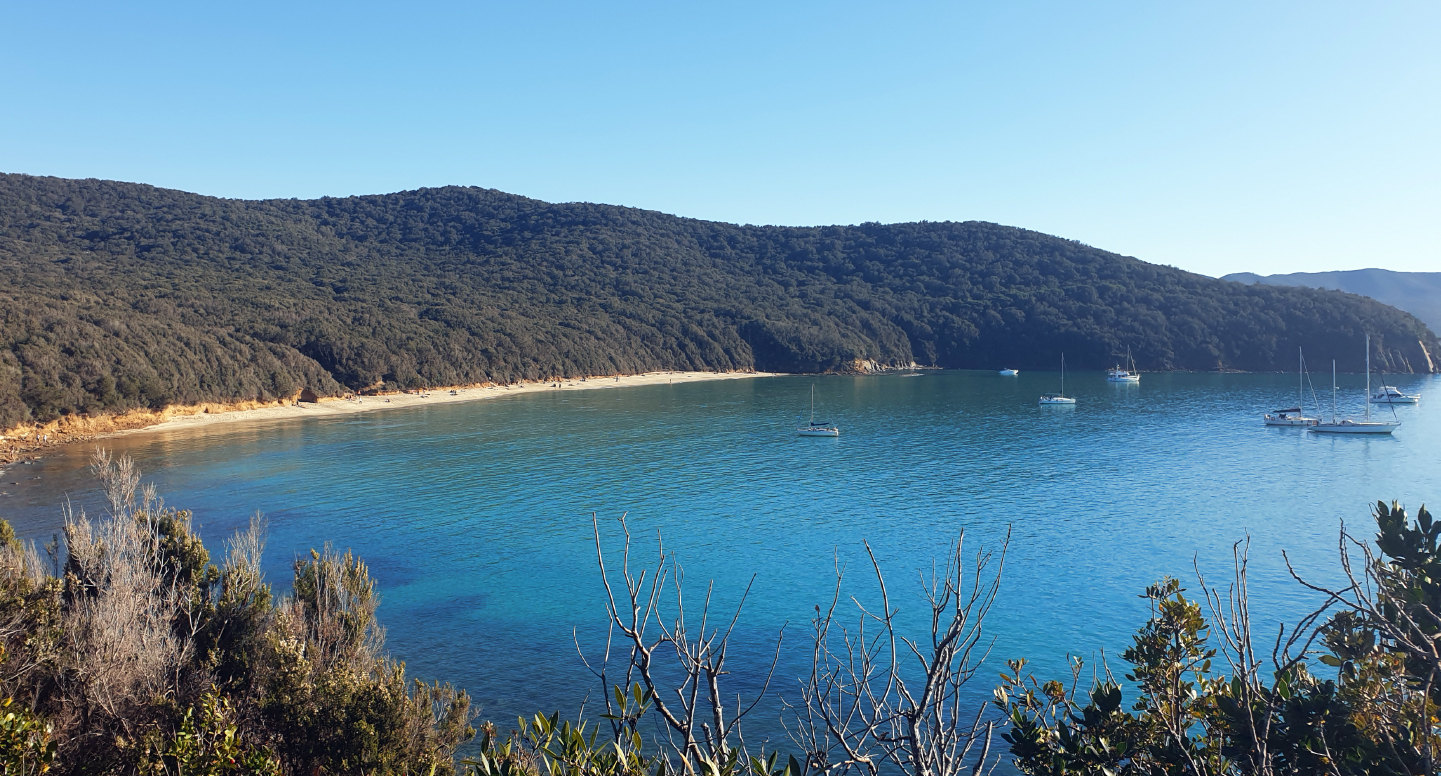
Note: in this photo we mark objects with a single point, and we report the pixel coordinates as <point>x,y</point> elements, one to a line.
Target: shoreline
<point>216,413</point>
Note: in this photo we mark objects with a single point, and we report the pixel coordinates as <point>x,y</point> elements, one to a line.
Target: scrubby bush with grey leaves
<point>129,651</point>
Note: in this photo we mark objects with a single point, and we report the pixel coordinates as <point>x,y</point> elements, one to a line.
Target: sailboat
<point>817,429</point>
<point>1349,426</point>
<point>1127,375</point>
<point>1059,398</point>
<point>1293,416</point>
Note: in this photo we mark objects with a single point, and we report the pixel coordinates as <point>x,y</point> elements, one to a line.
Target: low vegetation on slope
<point>128,650</point>
<point>120,296</point>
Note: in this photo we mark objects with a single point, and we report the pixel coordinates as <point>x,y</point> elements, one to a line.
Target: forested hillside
<point>1418,293</point>
<point>119,295</point>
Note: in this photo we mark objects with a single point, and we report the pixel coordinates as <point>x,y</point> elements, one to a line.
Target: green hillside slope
<point>120,295</point>
<point>1418,293</point>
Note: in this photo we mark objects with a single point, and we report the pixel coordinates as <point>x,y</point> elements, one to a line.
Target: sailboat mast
<point>1333,390</point>
<point>1300,382</point>
<point>813,404</point>
<point>1063,374</point>
<point>1368,378</point>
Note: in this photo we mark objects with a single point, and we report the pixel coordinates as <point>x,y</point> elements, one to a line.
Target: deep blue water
<point>476,518</point>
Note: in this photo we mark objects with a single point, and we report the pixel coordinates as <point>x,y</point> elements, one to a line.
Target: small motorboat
<point>1128,374</point>
<point>1010,372</point>
<point>1389,395</point>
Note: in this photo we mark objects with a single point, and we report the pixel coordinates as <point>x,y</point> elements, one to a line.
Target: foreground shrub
<point>209,746</point>
<point>27,745</point>
<point>134,653</point>
<point>549,746</point>
<point>1207,701</point>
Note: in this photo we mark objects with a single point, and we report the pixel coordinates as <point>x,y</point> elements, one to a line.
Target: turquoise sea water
<point>476,517</point>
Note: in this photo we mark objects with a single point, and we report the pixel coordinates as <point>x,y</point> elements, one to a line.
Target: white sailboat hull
<point>1295,416</point>
<point>814,429</point>
<point>1367,426</point>
<point>1272,421</point>
<point>1065,400</point>
<point>1354,427</point>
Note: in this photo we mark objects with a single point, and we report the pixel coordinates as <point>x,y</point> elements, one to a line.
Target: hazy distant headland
<point>121,296</point>
<point>1418,293</point>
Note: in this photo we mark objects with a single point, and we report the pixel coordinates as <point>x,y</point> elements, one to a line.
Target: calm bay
<point>477,517</point>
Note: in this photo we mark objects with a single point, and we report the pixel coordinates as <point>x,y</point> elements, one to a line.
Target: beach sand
<point>331,407</point>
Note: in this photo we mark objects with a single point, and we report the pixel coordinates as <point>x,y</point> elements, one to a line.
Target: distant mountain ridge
<point>118,296</point>
<point>1418,293</point>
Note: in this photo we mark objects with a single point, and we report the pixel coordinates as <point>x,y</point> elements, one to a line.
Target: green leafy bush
<point>210,746</point>
<point>27,744</point>
<point>142,656</point>
<point>1207,702</point>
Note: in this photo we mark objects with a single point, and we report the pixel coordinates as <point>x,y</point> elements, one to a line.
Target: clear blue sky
<point>1217,137</point>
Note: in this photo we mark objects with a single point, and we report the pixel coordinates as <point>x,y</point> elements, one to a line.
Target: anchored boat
<point>1059,398</point>
<point>1349,426</point>
<point>1389,395</point>
<point>1293,416</point>
<point>1126,375</point>
<point>817,428</point>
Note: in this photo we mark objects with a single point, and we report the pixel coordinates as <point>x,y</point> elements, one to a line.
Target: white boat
<point>1127,375</point>
<point>1059,398</point>
<point>1389,395</point>
<point>817,429</point>
<point>1349,426</point>
<point>1293,416</point>
<point>1289,417</point>
<point>1010,372</point>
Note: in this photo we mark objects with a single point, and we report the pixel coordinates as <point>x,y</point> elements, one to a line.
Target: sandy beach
<point>29,443</point>
<point>330,407</point>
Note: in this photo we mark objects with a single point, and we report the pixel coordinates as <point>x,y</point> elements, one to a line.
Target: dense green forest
<point>119,295</point>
